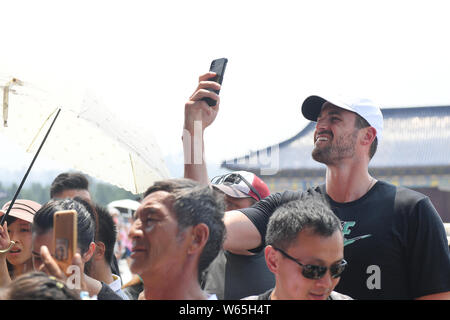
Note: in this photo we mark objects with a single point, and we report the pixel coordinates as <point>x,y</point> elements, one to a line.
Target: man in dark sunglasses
<point>305,251</point>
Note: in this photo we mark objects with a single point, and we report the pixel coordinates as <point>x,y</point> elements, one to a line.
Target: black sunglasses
<point>314,272</point>
<point>233,178</point>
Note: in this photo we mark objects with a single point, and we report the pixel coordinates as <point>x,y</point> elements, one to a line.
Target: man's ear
<point>99,253</point>
<point>272,259</point>
<point>89,253</point>
<point>198,237</point>
<point>369,136</point>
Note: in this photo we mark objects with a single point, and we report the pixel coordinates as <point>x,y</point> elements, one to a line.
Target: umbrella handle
<point>11,244</point>
<point>28,171</point>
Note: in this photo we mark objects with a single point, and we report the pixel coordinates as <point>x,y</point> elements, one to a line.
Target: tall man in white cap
<point>395,242</point>
<point>394,239</point>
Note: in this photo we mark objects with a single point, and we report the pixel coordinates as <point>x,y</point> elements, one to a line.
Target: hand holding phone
<point>65,237</point>
<point>218,67</point>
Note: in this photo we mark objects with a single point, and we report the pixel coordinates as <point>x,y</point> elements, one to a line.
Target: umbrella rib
<point>6,90</point>
<point>40,129</point>
<point>28,171</point>
<point>5,105</point>
<point>134,173</point>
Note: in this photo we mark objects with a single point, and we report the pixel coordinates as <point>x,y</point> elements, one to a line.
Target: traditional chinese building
<point>414,152</point>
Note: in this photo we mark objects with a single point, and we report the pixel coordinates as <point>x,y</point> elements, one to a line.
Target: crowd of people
<point>353,237</point>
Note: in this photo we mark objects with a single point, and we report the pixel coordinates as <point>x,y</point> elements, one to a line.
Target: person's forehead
<point>315,247</point>
<point>155,200</point>
<point>20,222</point>
<point>156,197</point>
<point>43,239</point>
<point>329,108</point>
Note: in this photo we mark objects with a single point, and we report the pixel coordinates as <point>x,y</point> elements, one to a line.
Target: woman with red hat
<point>15,240</point>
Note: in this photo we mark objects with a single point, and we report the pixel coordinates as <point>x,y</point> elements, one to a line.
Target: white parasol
<point>87,136</point>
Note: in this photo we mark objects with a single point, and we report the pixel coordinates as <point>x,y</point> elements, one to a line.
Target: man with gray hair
<point>178,230</point>
<point>305,251</point>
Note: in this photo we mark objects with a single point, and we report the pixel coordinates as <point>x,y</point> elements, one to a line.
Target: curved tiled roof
<point>412,137</point>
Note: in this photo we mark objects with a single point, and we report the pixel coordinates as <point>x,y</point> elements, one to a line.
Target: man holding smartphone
<point>390,232</point>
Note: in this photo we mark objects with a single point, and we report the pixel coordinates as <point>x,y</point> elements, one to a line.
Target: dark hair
<point>39,286</point>
<point>43,220</point>
<point>193,204</point>
<point>361,123</point>
<point>107,232</point>
<point>67,181</point>
<point>292,217</point>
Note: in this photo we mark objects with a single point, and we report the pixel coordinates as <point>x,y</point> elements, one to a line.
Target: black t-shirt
<point>395,241</point>
<point>232,277</point>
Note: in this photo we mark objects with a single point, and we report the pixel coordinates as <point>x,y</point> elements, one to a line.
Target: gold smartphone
<point>65,237</point>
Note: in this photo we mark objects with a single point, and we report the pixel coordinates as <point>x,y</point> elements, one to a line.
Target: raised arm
<point>197,117</point>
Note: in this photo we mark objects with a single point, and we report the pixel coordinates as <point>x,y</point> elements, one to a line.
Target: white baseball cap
<point>366,108</point>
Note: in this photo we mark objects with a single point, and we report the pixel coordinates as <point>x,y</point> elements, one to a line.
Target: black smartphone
<point>218,66</point>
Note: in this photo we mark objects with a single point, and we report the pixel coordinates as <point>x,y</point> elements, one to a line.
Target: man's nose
<point>135,229</point>
<point>326,281</point>
<point>322,124</point>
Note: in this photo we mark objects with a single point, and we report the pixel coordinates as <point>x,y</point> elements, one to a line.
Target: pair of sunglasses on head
<point>234,178</point>
<point>314,272</point>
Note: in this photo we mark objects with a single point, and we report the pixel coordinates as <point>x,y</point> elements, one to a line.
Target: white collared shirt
<point>116,286</point>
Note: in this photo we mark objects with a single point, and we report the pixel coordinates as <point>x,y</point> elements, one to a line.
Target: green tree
<point>105,193</point>
<point>102,193</point>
